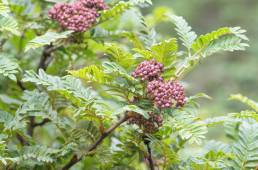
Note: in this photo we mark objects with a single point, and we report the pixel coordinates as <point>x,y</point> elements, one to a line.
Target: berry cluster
<point>178,93</point>
<point>150,125</point>
<point>148,70</point>
<point>78,16</point>
<point>164,94</point>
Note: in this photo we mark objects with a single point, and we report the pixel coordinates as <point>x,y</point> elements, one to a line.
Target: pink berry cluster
<point>165,94</point>
<point>148,70</point>
<point>150,125</point>
<point>78,16</point>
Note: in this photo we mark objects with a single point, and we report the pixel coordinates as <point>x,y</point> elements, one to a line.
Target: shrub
<point>95,93</point>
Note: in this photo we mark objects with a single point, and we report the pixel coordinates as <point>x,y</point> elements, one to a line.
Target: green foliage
<point>115,11</point>
<point>245,100</point>
<point>78,107</point>
<point>246,148</point>
<point>9,24</point>
<point>187,36</point>
<point>8,67</point>
<point>46,39</point>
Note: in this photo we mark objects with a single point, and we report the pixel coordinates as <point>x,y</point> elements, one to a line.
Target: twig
<point>75,159</point>
<point>44,121</point>
<point>149,157</point>
<point>21,139</point>
<point>45,60</point>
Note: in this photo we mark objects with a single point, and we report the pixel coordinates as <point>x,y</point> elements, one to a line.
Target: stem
<point>75,159</point>
<point>150,159</point>
<point>45,60</point>
<point>21,139</point>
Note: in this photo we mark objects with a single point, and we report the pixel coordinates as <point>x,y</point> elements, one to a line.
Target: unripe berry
<point>150,125</point>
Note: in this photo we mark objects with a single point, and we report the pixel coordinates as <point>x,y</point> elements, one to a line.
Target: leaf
<point>114,69</point>
<point>227,43</point>
<point>4,9</point>
<point>115,11</point>
<point>165,51</point>
<point>120,56</point>
<point>38,154</point>
<point>46,39</point>
<point>141,2</point>
<point>199,95</point>
<point>188,127</point>
<point>133,108</point>
<point>8,68</point>
<point>245,100</point>
<point>246,148</point>
<point>91,73</point>
<point>187,36</point>
<point>204,41</point>
<point>68,86</point>
<point>9,24</point>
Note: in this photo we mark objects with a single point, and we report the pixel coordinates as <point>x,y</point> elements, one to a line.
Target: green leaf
<point>227,43</point>
<point>187,36</point>
<point>204,41</point>
<point>114,69</point>
<point>189,127</point>
<point>115,11</point>
<point>8,68</point>
<point>67,86</point>
<point>120,56</point>
<point>246,148</point>
<point>165,51</point>
<point>4,9</point>
<point>245,100</point>
<point>91,73</point>
<point>46,39</point>
<point>133,108</point>
<point>9,24</point>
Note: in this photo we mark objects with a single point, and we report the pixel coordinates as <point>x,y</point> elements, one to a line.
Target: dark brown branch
<point>46,54</point>
<point>75,159</point>
<point>43,122</point>
<point>21,139</point>
<point>150,159</point>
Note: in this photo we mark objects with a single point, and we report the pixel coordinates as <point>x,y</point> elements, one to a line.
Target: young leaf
<point>115,11</point>
<point>9,24</point>
<point>246,148</point>
<point>245,100</point>
<point>8,68</point>
<point>47,38</point>
<point>120,56</point>
<point>91,73</point>
<point>187,36</point>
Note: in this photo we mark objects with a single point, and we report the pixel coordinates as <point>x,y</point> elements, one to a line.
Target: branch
<point>21,139</point>
<point>44,121</point>
<point>45,60</point>
<point>75,159</point>
<point>151,163</point>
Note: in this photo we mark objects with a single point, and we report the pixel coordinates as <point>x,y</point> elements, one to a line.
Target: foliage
<point>74,93</point>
